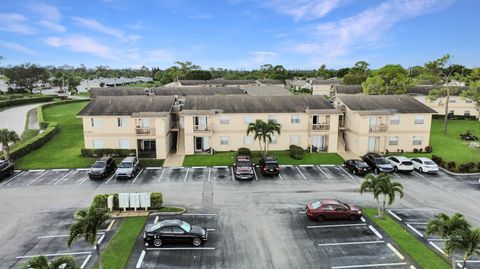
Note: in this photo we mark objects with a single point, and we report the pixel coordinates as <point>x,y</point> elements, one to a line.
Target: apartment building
<point>324,86</point>
<point>380,123</point>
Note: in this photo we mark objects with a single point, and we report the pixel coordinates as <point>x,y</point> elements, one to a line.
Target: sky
<point>238,34</point>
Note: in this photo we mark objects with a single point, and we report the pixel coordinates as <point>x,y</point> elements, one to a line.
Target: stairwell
<point>175,159</point>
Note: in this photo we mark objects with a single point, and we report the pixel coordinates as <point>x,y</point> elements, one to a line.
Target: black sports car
<point>174,231</point>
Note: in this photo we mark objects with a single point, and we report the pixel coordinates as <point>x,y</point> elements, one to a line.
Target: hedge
<point>296,152</point>
<point>100,201</point>
<point>102,152</point>
<point>24,148</point>
<point>24,101</point>
<point>244,152</point>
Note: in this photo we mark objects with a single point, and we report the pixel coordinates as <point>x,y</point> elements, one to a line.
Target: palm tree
<point>382,185</point>
<point>6,137</point>
<point>369,185</point>
<point>86,225</point>
<point>258,129</point>
<point>263,131</point>
<point>449,228</point>
<point>272,127</point>
<point>41,262</point>
<point>470,240</point>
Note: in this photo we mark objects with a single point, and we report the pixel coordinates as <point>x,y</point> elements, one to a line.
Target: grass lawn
<point>118,250</point>
<point>421,254</point>
<point>62,151</point>
<point>283,157</point>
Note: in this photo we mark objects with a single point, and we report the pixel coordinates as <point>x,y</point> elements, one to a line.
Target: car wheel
<point>157,242</point>
<point>197,241</point>
<point>420,169</point>
<point>320,218</point>
<point>377,171</point>
<point>353,217</point>
<point>395,169</point>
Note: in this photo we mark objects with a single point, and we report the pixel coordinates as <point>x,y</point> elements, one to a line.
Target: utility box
<point>135,200</point>
<point>110,202</point>
<point>145,201</point>
<point>123,200</point>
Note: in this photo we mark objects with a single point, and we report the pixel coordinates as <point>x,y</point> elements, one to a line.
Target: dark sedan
<point>269,166</point>
<point>377,163</point>
<point>357,167</point>
<point>102,168</point>
<point>175,230</point>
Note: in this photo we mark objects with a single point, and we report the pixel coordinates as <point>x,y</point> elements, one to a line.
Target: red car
<point>331,209</point>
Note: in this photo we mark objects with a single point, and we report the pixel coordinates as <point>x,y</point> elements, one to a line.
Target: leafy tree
<point>388,80</point>
<point>374,85</point>
<point>342,72</point>
<point>324,73</point>
<point>26,75</point>
<point>360,67</point>
<point>263,132</point>
<point>382,185</point>
<point>272,128</point>
<point>86,225</point>
<point>42,262</point>
<point>6,137</point>
<point>354,79</point>
<point>473,92</point>
<point>198,74</point>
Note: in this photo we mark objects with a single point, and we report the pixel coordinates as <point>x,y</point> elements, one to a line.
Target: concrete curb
<point>168,213</point>
<point>458,174</point>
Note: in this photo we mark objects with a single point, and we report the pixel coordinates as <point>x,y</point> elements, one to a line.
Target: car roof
<point>356,160</point>
<point>243,158</point>
<point>128,159</point>
<point>170,222</point>
<point>424,159</point>
<point>373,154</point>
<point>104,159</point>
<point>269,158</point>
<point>330,202</point>
<point>401,158</point>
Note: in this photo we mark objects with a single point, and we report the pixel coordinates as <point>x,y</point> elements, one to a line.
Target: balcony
<point>378,128</point>
<point>202,128</point>
<point>174,125</point>
<point>145,131</point>
<point>321,127</point>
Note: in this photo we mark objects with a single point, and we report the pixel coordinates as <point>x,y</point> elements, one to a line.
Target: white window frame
<point>419,119</point>
<point>294,139</point>
<point>123,144</point>
<point>224,119</point>
<point>248,140</point>
<point>97,144</point>
<point>468,101</point>
<point>467,113</point>
<point>247,119</point>
<point>295,119</point>
<point>272,118</point>
<point>393,139</point>
<point>395,120</point>
<point>224,140</point>
<point>95,122</point>
<point>121,122</point>
<point>417,140</point>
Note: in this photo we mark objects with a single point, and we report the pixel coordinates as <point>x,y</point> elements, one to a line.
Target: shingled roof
<point>266,90</point>
<point>122,106</point>
<point>218,82</point>
<point>326,82</point>
<point>166,91</point>
<point>392,103</point>
<point>348,89</point>
<point>270,82</point>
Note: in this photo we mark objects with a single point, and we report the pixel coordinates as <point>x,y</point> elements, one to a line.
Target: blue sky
<point>239,34</point>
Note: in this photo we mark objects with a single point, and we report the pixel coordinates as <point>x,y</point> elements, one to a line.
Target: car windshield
<point>345,205</point>
<point>407,163</point>
<point>271,164</point>
<point>380,161</point>
<point>361,164</point>
<point>185,226</point>
<point>429,162</point>
<point>243,164</point>
<point>316,205</point>
<point>125,165</point>
<point>99,164</point>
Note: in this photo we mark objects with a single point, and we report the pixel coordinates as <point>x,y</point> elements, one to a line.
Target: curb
<point>458,174</point>
<point>168,213</point>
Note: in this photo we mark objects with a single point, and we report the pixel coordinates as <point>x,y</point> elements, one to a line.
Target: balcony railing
<point>145,131</point>
<point>202,128</point>
<point>321,127</point>
<point>378,128</point>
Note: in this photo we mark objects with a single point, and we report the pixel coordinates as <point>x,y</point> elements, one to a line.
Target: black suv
<point>174,231</point>
<point>6,168</point>
<point>377,163</point>
<point>269,166</point>
<point>102,168</point>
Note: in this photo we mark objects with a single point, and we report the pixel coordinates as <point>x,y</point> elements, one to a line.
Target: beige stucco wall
<point>459,106</point>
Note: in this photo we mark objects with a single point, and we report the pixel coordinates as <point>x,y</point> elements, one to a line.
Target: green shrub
<point>24,101</point>
<point>24,148</point>
<point>156,200</point>
<point>100,201</point>
<point>244,152</point>
<point>296,152</point>
<point>110,152</point>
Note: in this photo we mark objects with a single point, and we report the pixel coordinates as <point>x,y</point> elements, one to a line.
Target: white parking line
<point>55,254</point>
<point>412,267</point>
<point>36,170</point>
<point>140,259</point>
<point>83,169</point>
<point>437,240</point>
<point>255,173</point>
<point>460,265</point>
<point>161,175</point>
<point>4,183</point>
<point>199,214</point>
<point>110,226</point>
<point>209,173</point>
<point>369,265</point>
<point>186,175</point>
<point>85,179</point>
<point>437,248</point>
<point>233,177</point>
<point>395,251</point>
<point>199,167</point>
<point>397,175</point>
<point>363,219</point>
<point>220,166</point>
<point>186,248</point>
<point>336,225</point>
<point>324,173</point>
<point>305,165</point>
<point>59,170</point>
<point>280,176</point>
<point>394,215</point>
<point>286,165</point>
<point>153,168</point>
<point>417,223</point>
<point>375,231</point>
<point>211,230</point>
<point>100,240</point>
<point>106,182</point>
<point>59,235</point>
<point>420,175</point>
<point>37,178</point>
<point>85,261</point>
<point>63,177</point>
<point>301,173</point>
<point>414,230</point>
<point>327,165</point>
<point>469,261</point>
<point>135,179</point>
<point>351,243</point>
<point>346,172</point>
<point>156,220</point>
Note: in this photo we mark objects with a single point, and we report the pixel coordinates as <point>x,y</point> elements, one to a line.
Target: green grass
<point>118,250</point>
<point>421,254</point>
<point>63,151</point>
<point>283,157</point>
<point>151,163</point>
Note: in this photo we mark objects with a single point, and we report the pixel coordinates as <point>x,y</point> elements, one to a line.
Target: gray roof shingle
<point>266,90</point>
<point>166,91</point>
<point>393,103</point>
<point>122,106</point>
<point>348,89</point>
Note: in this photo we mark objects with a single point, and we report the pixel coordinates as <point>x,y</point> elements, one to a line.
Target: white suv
<point>400,163</point>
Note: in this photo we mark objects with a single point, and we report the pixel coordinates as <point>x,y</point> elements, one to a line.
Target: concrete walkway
<point>348,155</point>
<point>15,118</point>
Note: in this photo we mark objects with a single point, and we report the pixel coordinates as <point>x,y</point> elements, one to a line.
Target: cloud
<point>95,25</point>
<point>83,44</point>
<point>16,23</point>
<point>48,12</point>
<point>304,10</point>
<point>55,27</point>
<point>161,55</point>
<point>17,47</point>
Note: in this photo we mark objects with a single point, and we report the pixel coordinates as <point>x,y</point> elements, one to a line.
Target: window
<point>274,140</point>
<point>294,139</point>
<point>394,120</point>
<point>95,122</point>
<point>419,120</point>
<point>466,113</point>
<point>272,118</point>
<point>224,120</point>
<point>468,101</point>
<point>417,140</point>
<point>451,112</point>
<point>124,144</point>
<point>295,119</point>
<point>224,140</point>
<point>247,140</point>
<point>452,101</point>
<point>393,140</point>
<point>98,144</point>
<point>121,122</point>
<point>247,119</point>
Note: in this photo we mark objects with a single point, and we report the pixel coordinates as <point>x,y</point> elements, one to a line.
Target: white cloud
<point>304,9</point>
<point>55,27</point>
<point>82,44</point>
<point>97,26</point>
<point>48,12</point>
<point>17,47</point>
<point>16,23</point>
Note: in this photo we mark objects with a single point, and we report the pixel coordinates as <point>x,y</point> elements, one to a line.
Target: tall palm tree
<point>449,228</point>
<point>86,225</point>
<point>382,185</point>
<point>6,137</point>
<point>42,262</point>
<point>470,240</point>
<point>258,129</point>
<point>272,128</point>
<point>369,184</point>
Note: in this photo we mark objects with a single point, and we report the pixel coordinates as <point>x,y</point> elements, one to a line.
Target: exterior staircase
<point>175,159</point>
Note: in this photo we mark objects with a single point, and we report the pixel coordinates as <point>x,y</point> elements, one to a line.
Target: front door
<point>198,143</point>
<point>372,144</point>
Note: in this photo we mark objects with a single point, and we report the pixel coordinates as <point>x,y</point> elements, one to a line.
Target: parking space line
<point>161,175</point>
<point>369,265</point>
<point>417,223</point>
<point>351,243</point>
<point>305,165</point>
<point>437,247</point>
<point>412,267</point>
<point>59,170</point>
<point>414,230</point>
<point>106,182</point>
<point>220,166</point>
<point>36,170</point>
<point>324,172</point>
<point>110,226</point>
<point>420,175</point>
<point>156,220</point>
<point>185,248</point>
<point>100,240</point>
<point>4,183</point>
<point>395,251</point>
<point>63,177</point>
<point>255,173</point>
<point>209,173</point>
<point>199,214</point>
<point>55,254</point>
<point>437,240</point>
<point>286,165</point>
<point>233,178</point>
<point>469,261</point>
<point>135,179</point>
<point>140,259</point>
<point>327,165</point>
<point>397,175</point>
<point>211,230</point>
<point>280,176</point>
<point>83,169</point>
<point>301,173</point>
<point>186,175</point>
<point>346,172</point>
<point>336,225</point>
<point>153,168</point>
<point>363,219</point>
<point>394,215</point>
<point>198,167</point>
<point>85,179</point>
<point>37,178</point>
<point>375,231</point>
<point>85,261</point>
<point>59,235</point>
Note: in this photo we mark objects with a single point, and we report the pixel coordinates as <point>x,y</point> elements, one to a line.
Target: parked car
<point>424,165</point>
<point>128,167</point>
<point>6,168</point>
<point>102,168</point>
<point>357,167</point>
<point>243,168</point>
<point>331,209</point>
<point>269,166</point>
<point>401,164</point>
<point>175,230</point>
<point>377,163</point>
